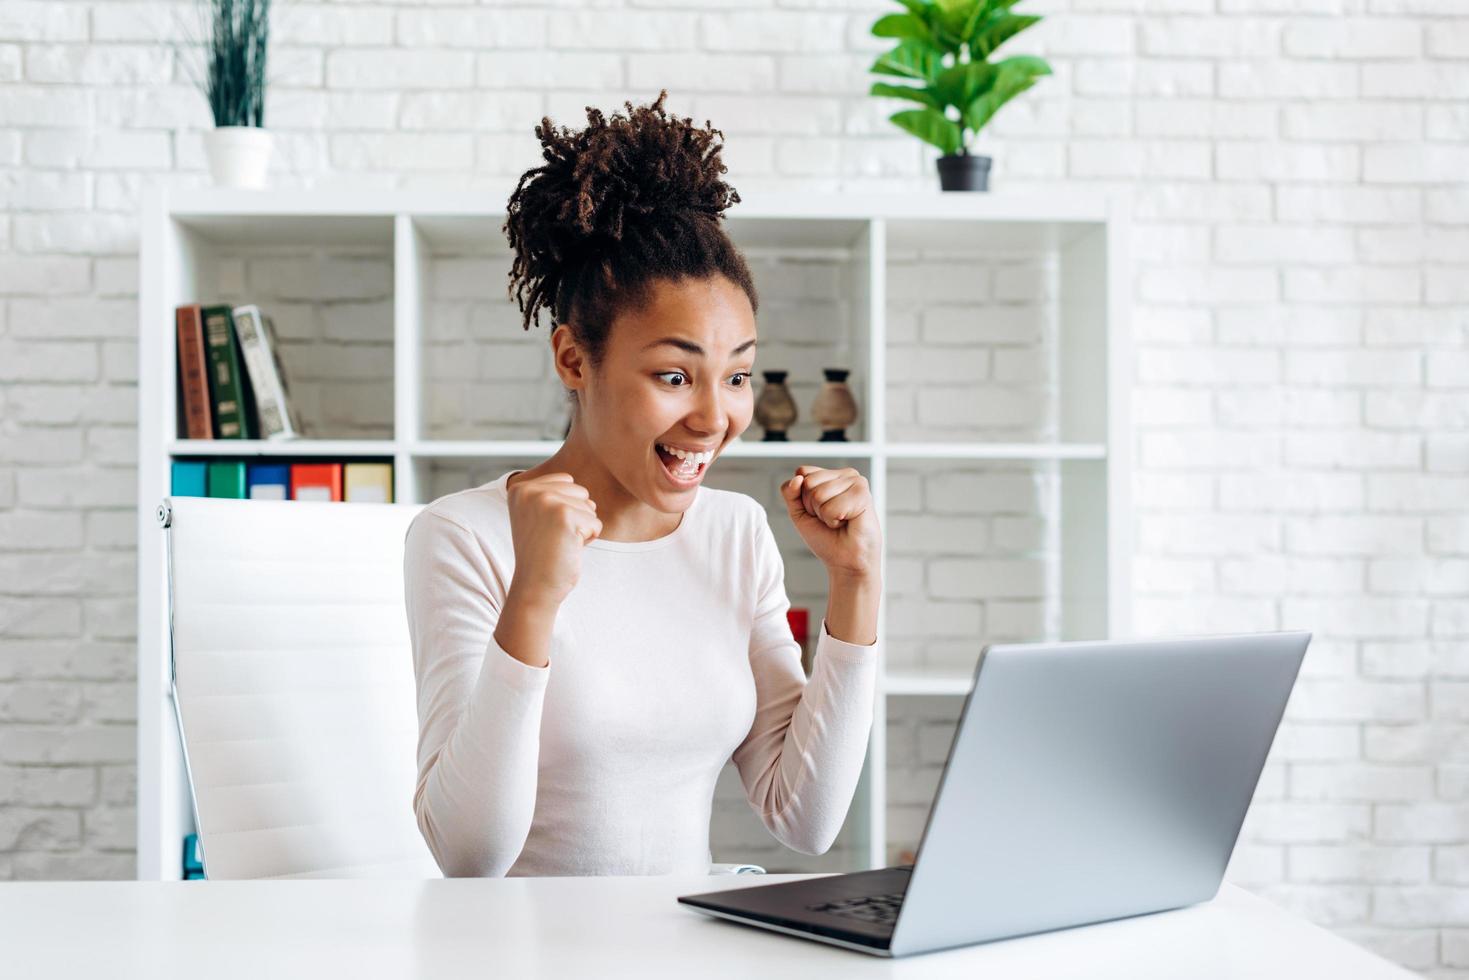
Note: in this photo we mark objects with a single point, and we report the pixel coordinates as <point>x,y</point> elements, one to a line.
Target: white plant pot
<point>239,156</point>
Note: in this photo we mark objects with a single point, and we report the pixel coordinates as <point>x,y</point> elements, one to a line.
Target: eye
<point>742,375</point>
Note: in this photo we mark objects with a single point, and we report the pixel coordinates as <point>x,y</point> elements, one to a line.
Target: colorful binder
<point>370,483</point>
<point>268,481</point>
<point>189,479</point>
<point>227,478</point>
<point>316,481</point>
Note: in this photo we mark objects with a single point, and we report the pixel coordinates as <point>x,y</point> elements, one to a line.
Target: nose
<point>708,416</point>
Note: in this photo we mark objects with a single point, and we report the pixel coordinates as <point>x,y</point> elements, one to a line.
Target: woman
<point>595,637</point>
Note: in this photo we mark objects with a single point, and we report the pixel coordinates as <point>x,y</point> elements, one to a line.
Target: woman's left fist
<point>833,512</point>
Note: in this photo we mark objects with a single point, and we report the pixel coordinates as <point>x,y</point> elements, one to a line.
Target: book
<point>194,372</point>
<point>370,483</point>
<point>188,479</point>
<point>268,481</point>
<point>274,413</point>
<point>316,481</point>
<point>226,478</point>
<point>227,387</point>
<point>193,866</point>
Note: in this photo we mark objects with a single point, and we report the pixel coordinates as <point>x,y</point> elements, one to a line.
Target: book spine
<point>225,383</point>
<point>263,366</point>
<point>293,415</point>
<point>194,372</point>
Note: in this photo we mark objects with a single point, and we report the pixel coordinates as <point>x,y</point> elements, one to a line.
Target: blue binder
<point>268,481</point>
<point>188,479</point>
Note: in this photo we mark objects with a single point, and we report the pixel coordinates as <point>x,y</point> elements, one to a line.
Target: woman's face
<point>675,375</point>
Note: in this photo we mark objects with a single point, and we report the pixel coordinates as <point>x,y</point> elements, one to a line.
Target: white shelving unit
<point>1085,237</point>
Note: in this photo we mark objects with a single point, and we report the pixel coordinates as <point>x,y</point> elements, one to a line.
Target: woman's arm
<point>479,708</point>
<point>803,755</point>
<point>525,627</point>
<point>851,606</point>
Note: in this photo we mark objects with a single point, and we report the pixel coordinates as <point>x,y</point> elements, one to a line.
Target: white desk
<point>588,927</point>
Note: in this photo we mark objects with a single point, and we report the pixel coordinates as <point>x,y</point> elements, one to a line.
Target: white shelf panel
<point>912,683</point>
<point>265,225</point>
<point>284,447</point>
<point>498,449</point>
<point>797,450</point>
<point>1027,209</point>
<point>509,449</point>
<point>506,449</point>
<point>996,450</point>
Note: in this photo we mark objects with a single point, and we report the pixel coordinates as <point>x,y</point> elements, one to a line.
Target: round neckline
<point>627,546</point>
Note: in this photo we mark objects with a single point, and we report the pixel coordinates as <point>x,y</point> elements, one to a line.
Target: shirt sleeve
<point>479,708</point>
<point>803,755</point>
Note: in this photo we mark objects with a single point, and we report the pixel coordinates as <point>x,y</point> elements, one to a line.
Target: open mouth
<point>683,468</point>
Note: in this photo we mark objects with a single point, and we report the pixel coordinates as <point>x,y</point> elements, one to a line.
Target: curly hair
<point>616,205</point>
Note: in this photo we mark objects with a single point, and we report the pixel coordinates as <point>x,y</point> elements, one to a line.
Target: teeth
<point>696,459</point>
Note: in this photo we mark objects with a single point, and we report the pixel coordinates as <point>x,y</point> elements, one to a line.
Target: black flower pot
<point>964,172</point>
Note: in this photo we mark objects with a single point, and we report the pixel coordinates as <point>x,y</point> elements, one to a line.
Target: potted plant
<point>238,148</point>
<point>944,47</point>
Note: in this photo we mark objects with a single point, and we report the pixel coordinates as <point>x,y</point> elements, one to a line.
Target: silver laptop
<point>1086,781</point>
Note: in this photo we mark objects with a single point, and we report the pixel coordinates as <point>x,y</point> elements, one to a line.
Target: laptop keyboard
<point>869,908</point>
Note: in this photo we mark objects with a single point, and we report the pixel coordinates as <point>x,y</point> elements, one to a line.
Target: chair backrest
<point>294,686</point>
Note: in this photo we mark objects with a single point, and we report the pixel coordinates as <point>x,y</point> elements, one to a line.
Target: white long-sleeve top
<point>668,658</point>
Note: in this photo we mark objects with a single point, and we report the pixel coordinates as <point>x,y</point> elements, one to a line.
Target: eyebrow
<point>693,348</point>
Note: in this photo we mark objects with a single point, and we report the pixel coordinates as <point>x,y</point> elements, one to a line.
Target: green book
<point>227,479</point>
<point>227,385</point>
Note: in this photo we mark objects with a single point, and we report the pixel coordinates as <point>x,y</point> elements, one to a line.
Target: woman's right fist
<point>551,520</point>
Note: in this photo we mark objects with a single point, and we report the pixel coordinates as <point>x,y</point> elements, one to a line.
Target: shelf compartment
<point>918,737</point>
<point>996,334</point>
<point>327,284</point>
<point>484,377</point>
<point>973,557</point>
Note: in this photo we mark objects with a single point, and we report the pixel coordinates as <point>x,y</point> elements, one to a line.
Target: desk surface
<point>582,927</point>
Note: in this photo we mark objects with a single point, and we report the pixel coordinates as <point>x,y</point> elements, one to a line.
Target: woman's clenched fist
<point>551,520</point>
<point>834,514</point>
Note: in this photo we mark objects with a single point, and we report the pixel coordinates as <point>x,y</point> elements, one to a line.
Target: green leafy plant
<point>234,51</point>
<point>944,46</point>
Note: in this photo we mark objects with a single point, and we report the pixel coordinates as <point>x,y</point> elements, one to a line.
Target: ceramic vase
<point>775,409</point>
<point>834,408</point>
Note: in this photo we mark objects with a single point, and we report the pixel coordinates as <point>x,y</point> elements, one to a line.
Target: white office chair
<point>293,687</point>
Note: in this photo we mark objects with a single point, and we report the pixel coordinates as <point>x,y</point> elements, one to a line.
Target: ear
<point>567,357</point>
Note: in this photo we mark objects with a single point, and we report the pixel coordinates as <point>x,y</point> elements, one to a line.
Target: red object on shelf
<point>800,621</point>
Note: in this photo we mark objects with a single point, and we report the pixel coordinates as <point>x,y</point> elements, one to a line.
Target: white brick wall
<point>1301,255</point>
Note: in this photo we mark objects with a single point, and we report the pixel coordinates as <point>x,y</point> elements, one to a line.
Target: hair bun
<point>642,164</point>
<point>624,197</point>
